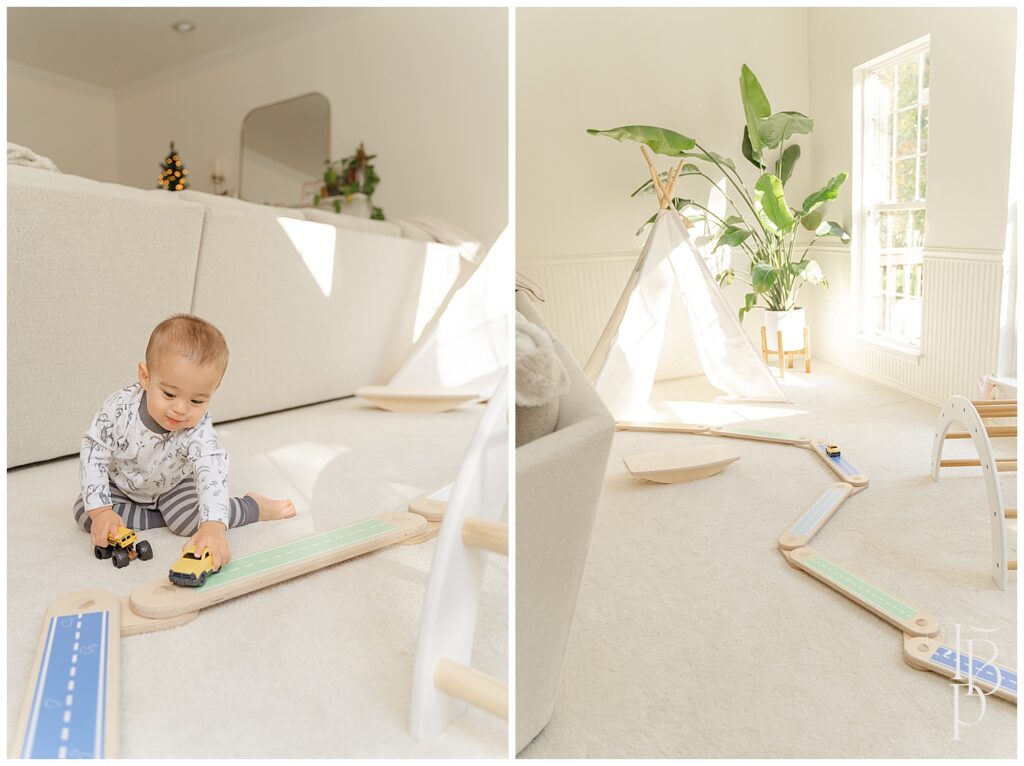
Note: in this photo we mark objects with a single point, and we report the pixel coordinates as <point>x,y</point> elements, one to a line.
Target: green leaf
<point>732,236</point>
<point>796,267</point>
<point>832,229</point>
<point>763,277</point>
<point>777,128</point>
<point>754,158</point>
<point>785,163</point>
<point>755,106</point>
<point>726,277</point>
<point>711,157</point>
<point>750,301</point>
<point>774,212</point>
<point>646,223</point>
<point>734,219</point>
<point>660,140</point>
<point>828,192</point>
<point>810,221</point>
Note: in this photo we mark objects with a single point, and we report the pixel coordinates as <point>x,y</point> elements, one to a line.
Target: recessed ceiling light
<point>183,26</point>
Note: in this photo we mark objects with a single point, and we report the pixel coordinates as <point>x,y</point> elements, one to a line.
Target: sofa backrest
<point>91,268</point>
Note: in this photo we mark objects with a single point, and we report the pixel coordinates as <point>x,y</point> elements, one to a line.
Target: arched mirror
<point>284,146</point>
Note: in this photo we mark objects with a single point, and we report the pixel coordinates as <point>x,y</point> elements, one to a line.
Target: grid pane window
<point>895,153</point>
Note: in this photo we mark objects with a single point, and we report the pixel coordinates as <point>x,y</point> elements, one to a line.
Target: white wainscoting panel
<point>960,326</point>
<point>579,295</point>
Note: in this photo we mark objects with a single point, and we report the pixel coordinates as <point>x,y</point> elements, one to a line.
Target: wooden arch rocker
<point>972,415</point>
<point>443,681</point>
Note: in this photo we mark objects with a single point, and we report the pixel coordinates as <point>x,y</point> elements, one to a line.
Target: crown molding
<point>54,80</point>
<point>241,48</point>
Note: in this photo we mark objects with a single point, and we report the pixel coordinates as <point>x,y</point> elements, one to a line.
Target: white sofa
<point>313,304</point>
<point>559,478</point>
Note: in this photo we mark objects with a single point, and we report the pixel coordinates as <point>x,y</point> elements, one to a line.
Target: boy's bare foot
<point>272,509</point>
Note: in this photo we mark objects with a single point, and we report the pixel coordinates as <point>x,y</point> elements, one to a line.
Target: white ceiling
<point>117,47</point>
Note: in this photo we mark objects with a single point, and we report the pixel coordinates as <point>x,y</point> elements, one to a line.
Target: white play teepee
<point>638,345</point>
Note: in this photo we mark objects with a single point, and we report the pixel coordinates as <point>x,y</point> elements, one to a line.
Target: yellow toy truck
<point>122,547</point>
<point>191,570</point>
<point>832,450</point>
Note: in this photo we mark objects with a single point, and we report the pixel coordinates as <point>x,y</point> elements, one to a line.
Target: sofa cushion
<point>92,267</point>
<point>540,380</point>
<point>310,311</point>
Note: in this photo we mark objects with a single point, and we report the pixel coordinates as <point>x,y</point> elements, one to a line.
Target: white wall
<point>600,68</point>
<point>426,89</point>
<point>71,122</point>
<point>972,62</point>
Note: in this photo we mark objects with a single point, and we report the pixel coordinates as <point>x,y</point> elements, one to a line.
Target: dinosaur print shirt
<point>126,446</point>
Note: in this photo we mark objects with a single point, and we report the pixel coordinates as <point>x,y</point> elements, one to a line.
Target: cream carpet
<point>320,666</point>
<point>694,638</point>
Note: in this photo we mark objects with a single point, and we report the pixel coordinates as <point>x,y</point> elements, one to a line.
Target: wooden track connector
<point>133,624</point>
<point>810,522</point>
<point>472,686</point>
<point>928,654</point>
<point>489,535</point>
<point>889,608</point>
<point>73,701</point>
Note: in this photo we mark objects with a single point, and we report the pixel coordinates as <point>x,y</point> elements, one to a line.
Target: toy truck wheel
<point>120,558</point>
<point>102,552</point>
<point>144,549</point>
<point>202,579</point>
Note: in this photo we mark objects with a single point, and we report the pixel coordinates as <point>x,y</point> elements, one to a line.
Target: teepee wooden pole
<point>663,198</point>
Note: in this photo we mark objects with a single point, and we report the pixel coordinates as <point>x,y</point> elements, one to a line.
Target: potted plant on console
<point>759,222</point>
<point>349,184</point>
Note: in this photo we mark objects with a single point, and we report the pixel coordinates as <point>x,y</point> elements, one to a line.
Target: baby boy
<point>151,457</point>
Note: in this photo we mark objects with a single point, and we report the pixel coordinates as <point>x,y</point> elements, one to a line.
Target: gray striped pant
<point>177,509</point>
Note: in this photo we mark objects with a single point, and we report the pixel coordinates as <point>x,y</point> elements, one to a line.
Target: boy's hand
<point>212,535</point>
<point>104,522</point>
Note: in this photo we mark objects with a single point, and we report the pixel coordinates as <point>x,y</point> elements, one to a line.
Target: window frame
<point>865,250</point>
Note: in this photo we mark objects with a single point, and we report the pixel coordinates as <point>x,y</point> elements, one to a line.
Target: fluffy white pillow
<point>21,155</point>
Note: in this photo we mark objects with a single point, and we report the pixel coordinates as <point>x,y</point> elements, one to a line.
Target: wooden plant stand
<point>786,357</point>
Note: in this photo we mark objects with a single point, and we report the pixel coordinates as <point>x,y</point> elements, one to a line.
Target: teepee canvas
<point>645,340</point>
<point>468,345</point>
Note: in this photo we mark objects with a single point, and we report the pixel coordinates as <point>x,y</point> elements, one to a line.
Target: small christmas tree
<point>174,176</point>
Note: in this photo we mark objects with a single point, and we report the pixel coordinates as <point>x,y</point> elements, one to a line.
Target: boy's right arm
<point>94,459</point>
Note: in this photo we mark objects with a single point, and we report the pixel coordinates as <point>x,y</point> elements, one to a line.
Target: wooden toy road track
<point>160,599</point>
<point>921,650</point>
<point>71,708</point>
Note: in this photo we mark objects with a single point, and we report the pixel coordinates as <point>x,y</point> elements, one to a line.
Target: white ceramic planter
<point>791,323</point>
<point>357,204</point>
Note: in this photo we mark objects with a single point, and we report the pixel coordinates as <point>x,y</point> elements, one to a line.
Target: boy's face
<point>178,392</point>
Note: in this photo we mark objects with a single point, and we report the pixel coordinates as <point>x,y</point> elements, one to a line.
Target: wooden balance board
<point>161,599</point>
<point>71,707</point>
<point>928,654</point>
<point>810,522</point>
<point>860,591</point>
<point>405,399</point>
<point>681,463</point>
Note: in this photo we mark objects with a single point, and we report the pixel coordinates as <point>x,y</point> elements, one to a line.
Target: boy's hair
<point>188,336</point>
